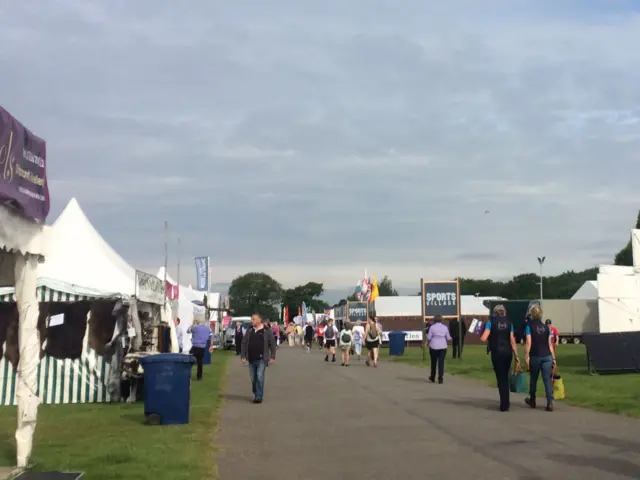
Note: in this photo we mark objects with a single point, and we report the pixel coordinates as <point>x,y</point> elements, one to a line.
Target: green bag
<point>518,381</point>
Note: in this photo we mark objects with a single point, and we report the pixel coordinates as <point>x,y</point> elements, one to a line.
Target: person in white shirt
<point>179,334</point>
<point>358,339</point>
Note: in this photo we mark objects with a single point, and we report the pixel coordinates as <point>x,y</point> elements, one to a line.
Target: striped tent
<point>83,380</point>
<point>46,294</point>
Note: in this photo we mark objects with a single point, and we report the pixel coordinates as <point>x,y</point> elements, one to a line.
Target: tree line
<point>257,292</point>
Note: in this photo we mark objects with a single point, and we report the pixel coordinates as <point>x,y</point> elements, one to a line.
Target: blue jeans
<point>256,371</point>
<point>542,365</point>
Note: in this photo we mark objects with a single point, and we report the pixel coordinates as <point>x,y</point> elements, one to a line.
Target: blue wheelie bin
<point>167,388</point>
<point>206,359</point>
<point>396,343</point>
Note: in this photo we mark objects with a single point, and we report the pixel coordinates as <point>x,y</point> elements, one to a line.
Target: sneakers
<point>440,381</point>
<point>549,407</point>
<point>432,379</point>
<point>342,364</point>
<point>257,400</point>
<point>531,402</point>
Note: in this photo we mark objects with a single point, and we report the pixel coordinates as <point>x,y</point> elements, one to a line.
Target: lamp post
<point>541,262</point>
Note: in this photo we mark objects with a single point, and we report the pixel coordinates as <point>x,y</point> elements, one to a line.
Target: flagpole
<point>166,257</point>
<point>178,273</point>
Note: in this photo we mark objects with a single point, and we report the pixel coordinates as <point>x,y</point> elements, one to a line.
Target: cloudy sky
<point>312,140</point>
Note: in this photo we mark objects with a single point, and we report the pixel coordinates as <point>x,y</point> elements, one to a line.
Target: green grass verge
<point>110,441</point>
<point>607,393</point>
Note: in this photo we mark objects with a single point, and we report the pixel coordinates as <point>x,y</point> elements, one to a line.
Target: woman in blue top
<point>540,357</point>
<point>503,348</point>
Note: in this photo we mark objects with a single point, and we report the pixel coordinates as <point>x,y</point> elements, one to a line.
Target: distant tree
<point>625,256</point>
<point>308,293</point>
<point>385,288</point>
<point>255,292</point>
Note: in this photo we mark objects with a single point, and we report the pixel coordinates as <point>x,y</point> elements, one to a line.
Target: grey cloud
<point>340,132</point>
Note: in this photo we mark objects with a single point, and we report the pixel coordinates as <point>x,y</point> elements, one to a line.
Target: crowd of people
<point>349,338</point>
<point>257,348</point>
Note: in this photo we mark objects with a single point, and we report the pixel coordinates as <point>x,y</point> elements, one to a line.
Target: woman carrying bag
<point>540,357</point>
<point>503,348</point>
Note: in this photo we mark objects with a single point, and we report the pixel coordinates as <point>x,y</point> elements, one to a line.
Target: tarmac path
<point>324,421</point>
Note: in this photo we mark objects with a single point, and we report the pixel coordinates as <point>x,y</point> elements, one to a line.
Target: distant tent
<point>588,291</point>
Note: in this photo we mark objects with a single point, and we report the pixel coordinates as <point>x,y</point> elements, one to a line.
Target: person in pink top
<point>438,337</point>
<point>320,335</point>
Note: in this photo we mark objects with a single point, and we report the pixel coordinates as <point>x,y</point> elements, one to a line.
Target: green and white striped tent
<point>45,294</point>
<point>82,380</point>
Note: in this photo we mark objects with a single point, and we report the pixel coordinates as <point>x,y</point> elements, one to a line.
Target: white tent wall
<point>619,294</point>
<point>22,246</point>
<point>618,304</point>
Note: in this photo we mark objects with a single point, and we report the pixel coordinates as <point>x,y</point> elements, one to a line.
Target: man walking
<point>200,335</point>
<point>454,332</point>
<point>259,351</point>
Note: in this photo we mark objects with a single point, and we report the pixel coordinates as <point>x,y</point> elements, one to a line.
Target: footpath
<point>324,421</point>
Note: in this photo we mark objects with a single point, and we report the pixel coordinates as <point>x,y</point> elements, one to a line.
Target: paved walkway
<point>323,421</point>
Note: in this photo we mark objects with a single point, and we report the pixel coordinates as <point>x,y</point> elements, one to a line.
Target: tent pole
<point>166,257</point>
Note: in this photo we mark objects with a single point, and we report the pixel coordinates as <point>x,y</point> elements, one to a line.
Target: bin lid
<point>167,358</point>
<point>398,332</point>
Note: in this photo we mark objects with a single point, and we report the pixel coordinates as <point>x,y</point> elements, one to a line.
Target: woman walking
<point>540,357</point>
<point>346,337</point>
<point>373,339</point>
<point>438,337</point>
<point>502,345</point>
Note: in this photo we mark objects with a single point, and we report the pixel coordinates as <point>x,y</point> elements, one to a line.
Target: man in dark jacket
<point>258,351</point>
<point>238,337</point>
<point>454,331</point>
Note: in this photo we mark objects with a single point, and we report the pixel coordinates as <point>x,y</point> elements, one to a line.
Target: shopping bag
<point>559,393</point>
<point>518,381</point>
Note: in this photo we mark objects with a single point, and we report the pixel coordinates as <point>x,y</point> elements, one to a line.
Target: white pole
<point>541,262</point>
<point>178,273</point>
<point>166,257</point>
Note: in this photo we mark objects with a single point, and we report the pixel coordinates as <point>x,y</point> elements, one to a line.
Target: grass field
<point>607,393</point>
<point>110,441</point>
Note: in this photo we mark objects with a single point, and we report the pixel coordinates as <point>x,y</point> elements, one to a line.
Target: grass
<point>109,441</point>
<point>618,394</point>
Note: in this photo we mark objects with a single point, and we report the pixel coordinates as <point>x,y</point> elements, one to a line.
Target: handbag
<point>518,380</point>
<point>559,393</point>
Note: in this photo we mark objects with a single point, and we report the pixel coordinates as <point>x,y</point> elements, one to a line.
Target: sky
<point>312,140</point>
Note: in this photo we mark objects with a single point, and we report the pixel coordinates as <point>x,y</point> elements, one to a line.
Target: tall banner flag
<point>202,274</point>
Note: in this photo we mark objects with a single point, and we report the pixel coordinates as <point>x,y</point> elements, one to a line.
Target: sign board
<point>357,311</point>
<point>340,312</point>
<point>441,298</point>
<point>202,274</point>
<point>411,336</point>
<point>23,169</point>
<point>149,288</point>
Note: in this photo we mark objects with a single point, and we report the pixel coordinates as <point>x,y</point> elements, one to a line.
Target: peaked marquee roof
<point>79,260</point>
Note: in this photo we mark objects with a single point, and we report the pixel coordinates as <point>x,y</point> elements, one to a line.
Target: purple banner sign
<point>23,177</point>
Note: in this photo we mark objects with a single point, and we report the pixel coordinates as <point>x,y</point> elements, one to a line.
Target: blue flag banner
<point>202,274</point>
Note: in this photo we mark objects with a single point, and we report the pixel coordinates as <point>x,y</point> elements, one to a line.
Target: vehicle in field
<point>229,335</point>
